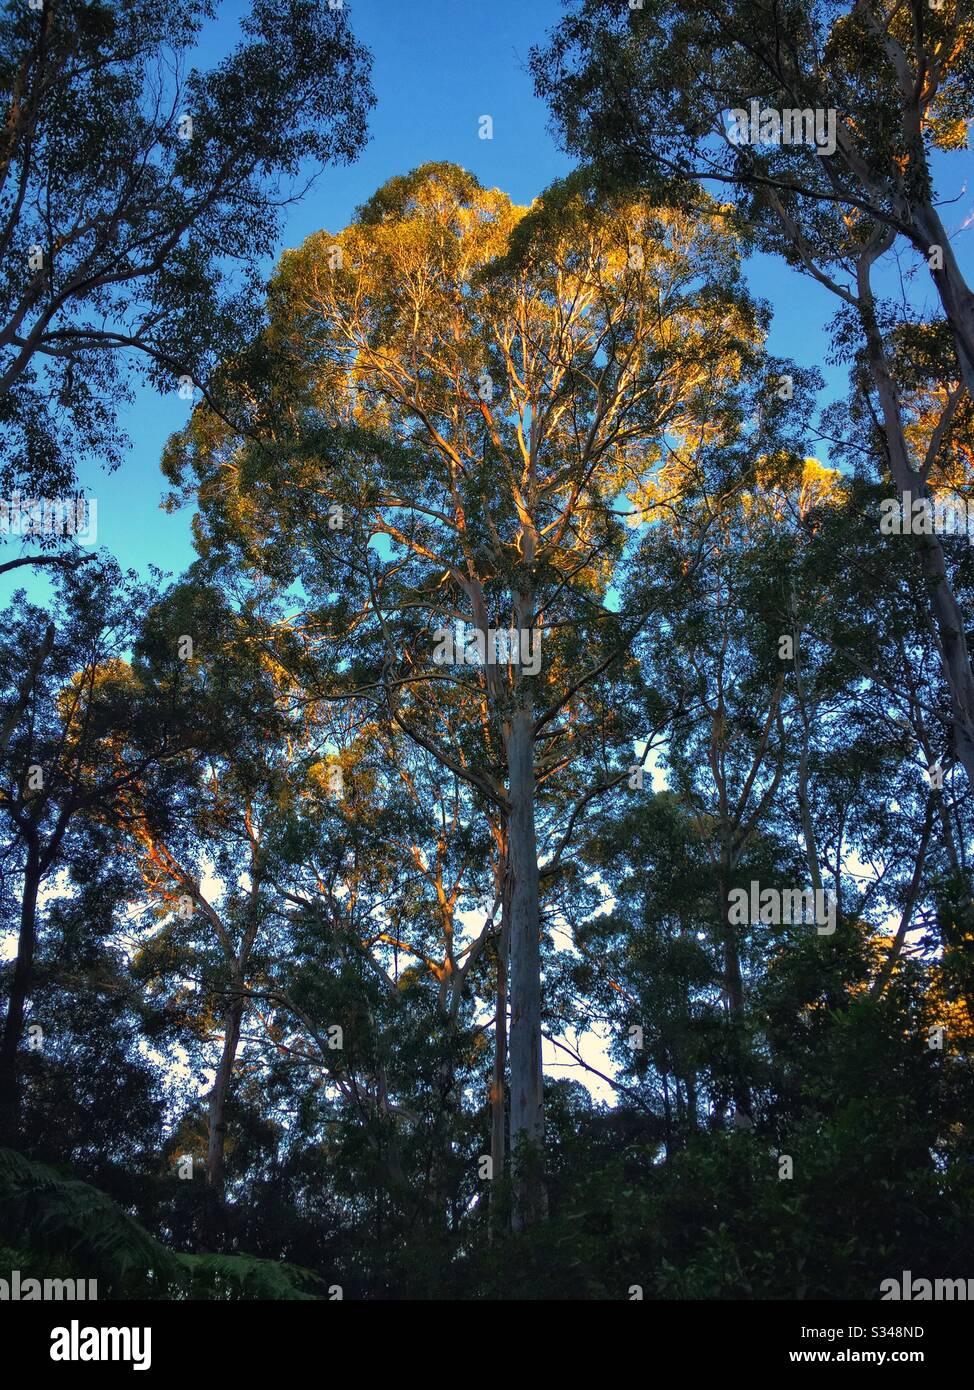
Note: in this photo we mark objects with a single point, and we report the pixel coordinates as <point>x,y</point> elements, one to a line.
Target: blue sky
<point>439,66</point>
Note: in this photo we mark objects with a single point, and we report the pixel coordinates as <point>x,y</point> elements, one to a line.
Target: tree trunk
<point>17,1004</point>
<point>734,996</point>
<point>216,1139</point>
<point>498,1083</point>
<point>527,1096</point>
<point>804,795</point>
<point>955,294</point>
<point>955,658</point>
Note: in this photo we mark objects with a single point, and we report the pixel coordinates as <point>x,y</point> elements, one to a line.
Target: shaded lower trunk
<point>733,983</point>
<point>17,1003</point>
<point>216,1140</point>
<point>527,1092</point>
<point>804,792</point>
<point>498,1081</point>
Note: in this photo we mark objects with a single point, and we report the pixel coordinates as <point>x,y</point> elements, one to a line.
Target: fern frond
<point>42,1210</point>
<point>45,1210</point>
<point>245,1276</point>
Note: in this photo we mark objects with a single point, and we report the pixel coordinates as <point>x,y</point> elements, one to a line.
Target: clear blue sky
<point>439,66</point>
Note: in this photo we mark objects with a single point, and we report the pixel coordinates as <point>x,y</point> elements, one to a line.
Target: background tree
<point>900,71</point>
<point>138,200</point>
<point>647,89</point>
<point>67,754</point>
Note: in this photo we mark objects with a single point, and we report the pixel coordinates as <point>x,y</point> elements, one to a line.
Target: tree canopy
<point>528,852</point>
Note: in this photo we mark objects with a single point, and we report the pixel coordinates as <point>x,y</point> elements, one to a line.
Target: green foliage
<point>69,1228</point>
<point>244,1277</point>
<point>64,1215</point>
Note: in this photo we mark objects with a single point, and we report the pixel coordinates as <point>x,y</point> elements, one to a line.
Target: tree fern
<point>42,1211</point>
<point>244,1276</point>
<point>43,1208</point>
